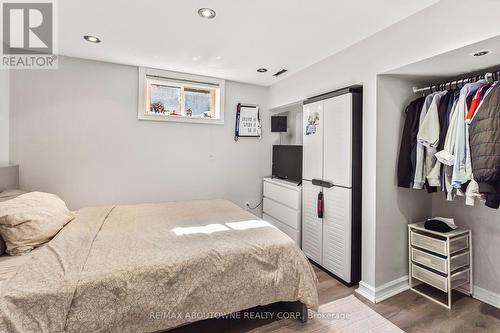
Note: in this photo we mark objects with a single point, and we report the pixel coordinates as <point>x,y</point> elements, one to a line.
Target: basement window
<point>170,96</point>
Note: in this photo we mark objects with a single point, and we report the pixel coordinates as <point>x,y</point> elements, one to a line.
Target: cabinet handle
<point>322,183</point>
<point>320,205</point>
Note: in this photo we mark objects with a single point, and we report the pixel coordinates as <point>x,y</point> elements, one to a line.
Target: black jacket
<point>484,139</point>
<point>408,148</point>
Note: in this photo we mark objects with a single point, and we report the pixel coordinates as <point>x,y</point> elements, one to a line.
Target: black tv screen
<point>287,162</point>
<point>278,123</point>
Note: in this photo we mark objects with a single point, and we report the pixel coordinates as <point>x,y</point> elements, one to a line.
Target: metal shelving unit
<point>439,262</point>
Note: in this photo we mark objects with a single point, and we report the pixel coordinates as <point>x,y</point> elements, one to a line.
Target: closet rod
<point>490,76</point>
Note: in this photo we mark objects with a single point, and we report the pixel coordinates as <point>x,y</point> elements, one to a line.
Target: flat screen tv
<point>278,124</point>
<point>287,162</point>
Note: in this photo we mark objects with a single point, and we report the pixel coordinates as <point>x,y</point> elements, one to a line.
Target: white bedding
<point>152,267</point>
<point>10,264</point>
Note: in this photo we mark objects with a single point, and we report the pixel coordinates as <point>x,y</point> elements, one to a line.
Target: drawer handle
<point>320,205</point>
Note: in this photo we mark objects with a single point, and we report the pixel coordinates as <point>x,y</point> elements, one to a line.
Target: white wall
<point>4,116</point>
<point>396,207</point>
<point>430,32</point>
<point>485,225</point>
<point>77,135</point>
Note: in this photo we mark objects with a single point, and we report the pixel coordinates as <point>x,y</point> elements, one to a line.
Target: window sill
<point>181,119</point>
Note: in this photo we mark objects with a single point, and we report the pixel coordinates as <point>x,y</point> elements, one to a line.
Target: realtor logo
<point>28,32</point>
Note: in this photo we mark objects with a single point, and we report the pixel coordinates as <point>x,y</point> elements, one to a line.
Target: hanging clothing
<point>444,110</point>
<point>445,156</point>
<point>472,193</point>
<point>485,147</point>
<point>420,172</point>
<point>462,169</point>
<point>475,102</point>
<point>451,139</point>
<point>428,133</point>
<point>428,136</point>
<point>484,97</point>
<point>407,149</point>
<point>444,122</point>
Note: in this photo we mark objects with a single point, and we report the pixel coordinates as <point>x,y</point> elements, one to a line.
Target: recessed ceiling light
<point>92,39</point>
<point>481,53</point>
<point>262,70</point>
<point>206,13</point>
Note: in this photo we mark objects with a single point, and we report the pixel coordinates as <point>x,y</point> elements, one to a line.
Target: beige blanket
<point>152,267</point>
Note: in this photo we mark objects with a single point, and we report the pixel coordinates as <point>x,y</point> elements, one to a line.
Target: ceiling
<point>244,36</point>
<point>457,61</point>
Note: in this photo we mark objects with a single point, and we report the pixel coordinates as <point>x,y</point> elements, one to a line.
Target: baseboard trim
<point>384,291</point>
<point>366,291</point>
<point>486,296</point>
<point>394,287</point>
<point>391,288</point>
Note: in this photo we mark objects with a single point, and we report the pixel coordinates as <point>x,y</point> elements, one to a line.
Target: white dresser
<point>282,206</point>
<point>442,261</point>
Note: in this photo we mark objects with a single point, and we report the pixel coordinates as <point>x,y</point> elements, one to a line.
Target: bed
<point>153,267</point>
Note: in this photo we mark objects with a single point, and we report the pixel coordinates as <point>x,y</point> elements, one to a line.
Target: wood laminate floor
<point>408,310</point>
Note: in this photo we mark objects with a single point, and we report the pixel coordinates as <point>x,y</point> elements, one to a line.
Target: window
<point>168,96</point>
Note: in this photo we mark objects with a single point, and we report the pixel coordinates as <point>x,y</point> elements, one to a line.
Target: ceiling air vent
<point>283,71</point>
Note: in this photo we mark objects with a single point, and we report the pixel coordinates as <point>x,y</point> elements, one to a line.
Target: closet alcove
<point>293,135</point>
<point>394,92</point>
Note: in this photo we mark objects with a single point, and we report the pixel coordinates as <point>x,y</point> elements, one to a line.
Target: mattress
<point>152,267</point>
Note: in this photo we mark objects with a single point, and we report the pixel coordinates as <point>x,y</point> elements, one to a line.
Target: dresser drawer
<point>292,233</point>
<point>282,194</point>
<point>460,278</point>
<point>428,243</point>
<point>433,279</point>
<point>429,260</point>
<point>282,213</point>
<point>460,261</point>
<point>459,244</point>
<point>438,263</point>
<point>438,281</point>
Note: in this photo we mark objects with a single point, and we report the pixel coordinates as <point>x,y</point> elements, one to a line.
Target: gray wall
<point>396,207</point>
<point>485,225</point>
<point>74,132</point>
<point>4,116</point>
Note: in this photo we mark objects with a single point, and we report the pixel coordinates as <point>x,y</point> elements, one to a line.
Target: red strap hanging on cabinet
<point>320,205</point>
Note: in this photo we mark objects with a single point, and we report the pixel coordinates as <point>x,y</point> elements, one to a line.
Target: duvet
<point>152,267</point>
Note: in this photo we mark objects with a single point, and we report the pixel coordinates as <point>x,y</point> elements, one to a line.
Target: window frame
<point>189,80</point>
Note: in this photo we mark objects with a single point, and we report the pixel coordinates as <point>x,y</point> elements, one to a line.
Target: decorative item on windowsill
<point>157,108</point>
<point>247,122</point>
<point>189,112</point>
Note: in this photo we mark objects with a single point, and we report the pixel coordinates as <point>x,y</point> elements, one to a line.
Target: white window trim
<point>168,75</point>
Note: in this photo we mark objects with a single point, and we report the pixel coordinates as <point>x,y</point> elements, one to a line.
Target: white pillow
<point>31,220</point>
<point>4,196</point>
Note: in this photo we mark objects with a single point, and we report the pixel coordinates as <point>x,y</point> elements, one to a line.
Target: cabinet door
<point>312,131</point>
<point>337,155</point>
<point>337,232</point>
<point>312,226</point>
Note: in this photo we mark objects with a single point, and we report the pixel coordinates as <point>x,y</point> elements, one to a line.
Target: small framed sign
<point>247,122</point>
